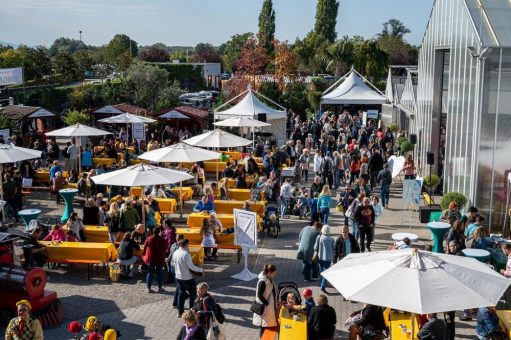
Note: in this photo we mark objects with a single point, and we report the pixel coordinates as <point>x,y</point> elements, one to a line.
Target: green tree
<point>340,56</point>
<point>206,53</point>
<point>400,53</point>
<point>307,50</point>
<point>231,50</point>
<point>8,123</point>
<point>326,19</point>
<point>40,62</point>
<point>143,84</point>
<point>271,90</point>
<point>65,67</point>
<point>266,33</point>
<point>65,45</point>
<point>169,96</point>
<point>370,60</point>
<point>75,116</point>
<point>84,61</point>
<point>295,98</point>
<point>119,48</point>
<point>394,28</point>
<point>85,96</point>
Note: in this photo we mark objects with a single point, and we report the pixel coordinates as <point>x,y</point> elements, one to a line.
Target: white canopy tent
<point>351,89</point>
<point>251,106</point>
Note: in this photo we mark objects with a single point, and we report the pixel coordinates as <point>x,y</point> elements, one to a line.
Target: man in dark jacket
<point>433,329</point>
<point>316,186</point>
<point>322,320</point>
<point>345,244</point>
<point>365,217</point>
<point>385,179</point>
<point>375,166</point>
<point>371,320</point>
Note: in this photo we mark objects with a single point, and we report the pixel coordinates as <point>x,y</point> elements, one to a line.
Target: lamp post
<point>80,36</point>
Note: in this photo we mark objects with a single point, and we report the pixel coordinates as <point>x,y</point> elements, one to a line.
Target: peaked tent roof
<point>250,106</point>
<point>119,108</point>
<point>21,111</point>
<point>353,90</point>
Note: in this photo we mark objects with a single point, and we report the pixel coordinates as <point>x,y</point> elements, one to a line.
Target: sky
<point>188,22</point>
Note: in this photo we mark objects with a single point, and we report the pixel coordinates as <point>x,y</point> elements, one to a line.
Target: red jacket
<point>154,250</point>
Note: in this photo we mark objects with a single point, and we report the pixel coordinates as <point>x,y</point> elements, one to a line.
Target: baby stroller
<point>273,227</point>
<point>285,288</point>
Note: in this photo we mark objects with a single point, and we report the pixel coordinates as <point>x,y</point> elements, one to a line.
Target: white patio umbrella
<point>127,118</point>
<point>141,175</point>
<point>180,152</point>
<point>217,139</point>
<point>78,130</point>
<point>417,281</point>
<point>12,154</point>
<point>243,122</point>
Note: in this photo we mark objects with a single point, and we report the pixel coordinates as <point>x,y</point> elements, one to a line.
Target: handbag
<point>257,308</point>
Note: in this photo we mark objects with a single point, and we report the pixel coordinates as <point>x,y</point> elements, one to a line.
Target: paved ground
<point>139,315</point>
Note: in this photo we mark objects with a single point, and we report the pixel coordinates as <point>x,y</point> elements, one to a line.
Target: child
<point>378,209</point>
<point>71,237</point>
<point>56,234</point>
<point>308,299</point>
<point>290,301</point>
<point>272,226</point>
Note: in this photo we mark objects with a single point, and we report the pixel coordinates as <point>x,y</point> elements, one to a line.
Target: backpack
<point>326,167</point>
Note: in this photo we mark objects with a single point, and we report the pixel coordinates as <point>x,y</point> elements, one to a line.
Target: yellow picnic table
<point>104,161</point>
<point>195,220</point>
<point>505,321</point>
<point>293,325</point>
<point>167,205</point>
<point>231,182</point>
<point>227,206</point>
<point>195,237</point>
<point>239,194</point>
<point>235,155</point>
<point>96,233</point>
<point>95,251</point>
<point>186,192</point>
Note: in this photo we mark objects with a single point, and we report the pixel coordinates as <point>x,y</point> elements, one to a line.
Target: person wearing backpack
<point>206,307</point>
<point>327,167</point>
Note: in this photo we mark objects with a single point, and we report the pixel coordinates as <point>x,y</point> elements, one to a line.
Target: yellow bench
<point>103,161</point>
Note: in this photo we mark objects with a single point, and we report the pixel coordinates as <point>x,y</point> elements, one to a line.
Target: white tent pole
<point>337,82</point>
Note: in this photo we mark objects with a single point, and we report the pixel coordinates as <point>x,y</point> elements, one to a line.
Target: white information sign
<point>373,114</point>
<point>412,189</point>
<point>10,76</point>
<point>245,228</point>
<point>138,131</point>
<point>396,164</point>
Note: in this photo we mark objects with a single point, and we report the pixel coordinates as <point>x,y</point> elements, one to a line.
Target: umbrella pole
<point>181,199</point>
<point>143,206</point>
<point>413,326</point>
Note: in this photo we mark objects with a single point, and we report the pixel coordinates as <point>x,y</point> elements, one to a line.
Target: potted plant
<point>393,127</point>
<point>405,147</point>
<point>431,182</point>
<point>460,199</point>
<point>401,140</point>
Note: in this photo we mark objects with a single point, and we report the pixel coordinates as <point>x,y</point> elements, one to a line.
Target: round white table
<point>478,254</point>
<point>400,236</point>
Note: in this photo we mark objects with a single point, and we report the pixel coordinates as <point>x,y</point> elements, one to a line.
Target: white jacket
<point>269,317</point>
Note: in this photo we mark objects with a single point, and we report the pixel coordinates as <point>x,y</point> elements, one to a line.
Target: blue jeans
<point>305,174</point>
<point>307,266</point>
<point>284,201</point>
<point>186,286</point>
<point>354,229</point>
<point>323,265</point>
<point>324,215</point>
<point>159,275</point>
<point>385,194</point>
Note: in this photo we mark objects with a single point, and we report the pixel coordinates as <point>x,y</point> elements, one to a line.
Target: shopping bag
<point>216,330</point>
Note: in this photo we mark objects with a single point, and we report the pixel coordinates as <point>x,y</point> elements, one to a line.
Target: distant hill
<point>5,43</point>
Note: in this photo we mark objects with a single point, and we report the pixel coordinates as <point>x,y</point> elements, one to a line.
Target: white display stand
<point>245,236</point>
<point>411,197</point>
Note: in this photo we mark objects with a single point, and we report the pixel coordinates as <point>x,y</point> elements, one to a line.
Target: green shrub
<point>74,116</point>
<point>406,146</point>
<point>401,140</point>
<point>460,199</point>
<point>431,180</point>
<point>393,127</point>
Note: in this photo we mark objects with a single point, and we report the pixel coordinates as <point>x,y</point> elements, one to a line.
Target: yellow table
<point>195,237</point>
<point>195,220</point>
<point>136,191</point>
<point>239,194</point>
<point>227,206</point>
<point>196,251</point>
<point>186,192</point>
<point>167,205</point>
<point>70,186</point>
<point>401,326</point>
<point>235,155</point>
<point>104,161</point>
<point>103,252</point>
<point>505,321</point>
<point>231,182</point>
<point>96,233</point>
<point>293,326</point>
<point>42,176</point>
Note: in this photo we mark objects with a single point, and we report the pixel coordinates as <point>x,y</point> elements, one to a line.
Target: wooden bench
<point>227,247</point>
<point>89,263</point>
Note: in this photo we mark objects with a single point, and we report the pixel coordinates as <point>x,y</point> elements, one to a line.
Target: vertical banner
<point>412,189</point>
<point>11,76</point>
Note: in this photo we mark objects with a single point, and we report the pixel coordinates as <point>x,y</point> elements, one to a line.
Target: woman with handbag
<point>265,304</point>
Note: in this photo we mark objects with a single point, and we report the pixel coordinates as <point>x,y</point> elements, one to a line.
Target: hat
<point>307,292</point>
<point>110,334</point>
<point>74,327</point>
<point>24,303</point>
<point>325,230</point>
<point>91,324</point>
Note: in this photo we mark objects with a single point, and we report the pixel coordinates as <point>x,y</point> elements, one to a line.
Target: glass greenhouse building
<point>463,101</point>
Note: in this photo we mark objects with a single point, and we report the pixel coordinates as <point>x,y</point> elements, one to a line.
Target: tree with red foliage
<point>253,59</point>
<point>153,54</point>
<point>286,61</point>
